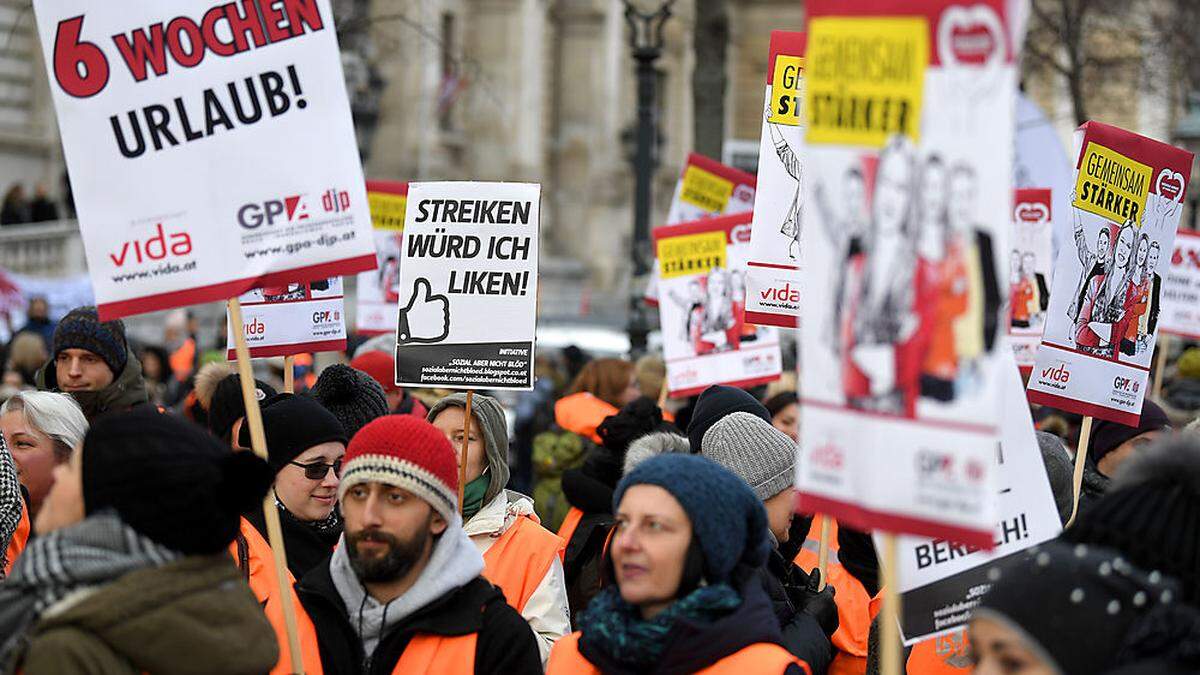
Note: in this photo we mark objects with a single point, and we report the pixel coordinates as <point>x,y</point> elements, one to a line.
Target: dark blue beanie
<point>82,328</point>
<point>728,521</point>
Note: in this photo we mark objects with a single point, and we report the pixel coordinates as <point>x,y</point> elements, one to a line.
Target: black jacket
<point>692,647</point>
<point>506,643</point>
<point>306,546</point>
<point>801,634</point>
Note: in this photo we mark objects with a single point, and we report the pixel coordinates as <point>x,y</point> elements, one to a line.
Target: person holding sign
<point>1112,444</point>
<point>519,555</point>
<point>403,592</point>
<point>689,539</point>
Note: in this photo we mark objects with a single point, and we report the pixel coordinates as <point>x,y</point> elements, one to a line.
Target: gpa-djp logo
<point>290,209</point>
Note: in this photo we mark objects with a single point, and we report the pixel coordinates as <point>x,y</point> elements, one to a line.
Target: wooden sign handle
<point>889,621</point>
<point>823,553</point>
<point>1085,434</point>
<point>462,458</point>
<point>289,374</point>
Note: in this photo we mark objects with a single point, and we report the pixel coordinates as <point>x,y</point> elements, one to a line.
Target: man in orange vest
<point>403,592</point>
<point>519,555</point>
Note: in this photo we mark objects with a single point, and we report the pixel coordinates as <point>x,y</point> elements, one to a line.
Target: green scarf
<point>473,495</point>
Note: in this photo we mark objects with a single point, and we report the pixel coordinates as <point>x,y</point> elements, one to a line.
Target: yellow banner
<point>786,83</point>
<point>865,79</point>
<point>1111,185</point>
<point>691,254</point>
<point>387,210</point>
<point>705,189</point>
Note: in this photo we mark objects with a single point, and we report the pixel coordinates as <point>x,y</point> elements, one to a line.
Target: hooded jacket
<point>194,615</point>
<point>127,389</point>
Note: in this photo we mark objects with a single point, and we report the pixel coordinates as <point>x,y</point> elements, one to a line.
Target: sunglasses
<point>318,470</point>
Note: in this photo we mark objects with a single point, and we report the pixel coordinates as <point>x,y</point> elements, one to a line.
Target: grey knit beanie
<point>489,415</point>
<point>749,446</point>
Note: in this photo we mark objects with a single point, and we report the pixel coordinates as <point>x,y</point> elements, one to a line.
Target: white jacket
<point>547,610</point>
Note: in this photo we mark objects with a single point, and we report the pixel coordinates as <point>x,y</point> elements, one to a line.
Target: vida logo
<point>255,327</point>
<point>785,294</point>
<point>176,244</point>
<point>1059,374</point>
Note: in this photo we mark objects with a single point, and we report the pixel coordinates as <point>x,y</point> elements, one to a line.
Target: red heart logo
<point>972,44</point>
<point>1031,212</point>
<point>1170,184</point>
<point>970,36</point>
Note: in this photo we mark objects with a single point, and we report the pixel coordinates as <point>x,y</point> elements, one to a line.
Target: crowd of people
<point>19,207</point>
<point>594,527</point>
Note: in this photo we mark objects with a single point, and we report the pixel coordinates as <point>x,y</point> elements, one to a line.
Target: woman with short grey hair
<point>41,429</point>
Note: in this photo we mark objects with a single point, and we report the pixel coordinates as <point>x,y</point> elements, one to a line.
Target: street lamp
<point>645,19</point>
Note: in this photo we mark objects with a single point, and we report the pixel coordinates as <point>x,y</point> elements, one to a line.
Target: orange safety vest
<point>567,529</point>
<point>17,543</point>
<point>438,655</point>
<point>581,413</point>
<point>762,657</point>
<point>942,655</point>
<point>260,571</point>
<point>518,561</point>
<point>856,609</point>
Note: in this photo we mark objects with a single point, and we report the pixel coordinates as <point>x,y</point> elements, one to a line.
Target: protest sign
<point>1099,339</point>
<point>468,286</point>
<point>773,274</point>
<point>1029,273</point>
<point>1180,292</point>
<point>378,289</point>
<point>292,319</point>
<point>902,261</point>
<point>210,147</point>
<point>705,338</point>
<point>941,581</point>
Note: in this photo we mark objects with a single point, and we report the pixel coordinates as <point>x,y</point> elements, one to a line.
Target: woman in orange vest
<point>690,540</point>
<point>519,555</point>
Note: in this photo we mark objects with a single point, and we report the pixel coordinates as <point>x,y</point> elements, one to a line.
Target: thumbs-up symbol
<point>426,317</point>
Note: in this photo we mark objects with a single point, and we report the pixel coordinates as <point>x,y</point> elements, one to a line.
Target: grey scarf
<point>98,550</point>
<point>11,502</point>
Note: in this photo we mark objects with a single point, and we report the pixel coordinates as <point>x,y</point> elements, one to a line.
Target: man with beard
<point>403,592</point>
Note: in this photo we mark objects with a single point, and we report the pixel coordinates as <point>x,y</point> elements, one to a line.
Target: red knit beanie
<point>406,452</point>
<point>380,366</point>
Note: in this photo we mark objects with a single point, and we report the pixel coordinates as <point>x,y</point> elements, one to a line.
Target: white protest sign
<point>773,275</point>
<point>1096,349</point>
<point>1180,290</point>
<point>706,341</point>
<point>210,146</point>
<point>292,319</point>
<point>942,581</point>
<point>378,290</point>
<point>1029,272</point>
<point>900,349</point>
<point>468,286</point>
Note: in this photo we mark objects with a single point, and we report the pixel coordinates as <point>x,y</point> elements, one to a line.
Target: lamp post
<point>645,21</point>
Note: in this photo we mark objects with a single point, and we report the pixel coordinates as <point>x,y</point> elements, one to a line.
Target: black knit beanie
<point>81,328</point>
<point>716,402</point>
<point>1151,512</point>
<point>228,405</point>
<point>1108,436</point>
<point>354,397</point>
<point>170,480</point>
<point>293,424</point>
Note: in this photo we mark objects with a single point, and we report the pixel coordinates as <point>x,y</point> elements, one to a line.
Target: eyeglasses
<point>318,470</point>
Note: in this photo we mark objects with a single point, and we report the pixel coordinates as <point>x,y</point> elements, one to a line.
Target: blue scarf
<point>616,629</point>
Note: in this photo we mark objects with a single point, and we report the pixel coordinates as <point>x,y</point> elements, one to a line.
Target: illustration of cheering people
<point>1149,320</point>
<point>1103,304</point>
<point>1093,264</point>
<point>975,329</point>
<point>1020,293</point>
<point>719,328</point>
<point>941,264</point>
<point>1137,299</point>
<point>791,164</point>
<point>845,232</point>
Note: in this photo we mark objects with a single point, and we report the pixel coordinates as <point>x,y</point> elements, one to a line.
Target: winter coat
<point>193,615</point>
<point>306,546</point>
<point>802,635</point>
<point>535,556</point>
<point>505,643</point>
<point>126,390</point>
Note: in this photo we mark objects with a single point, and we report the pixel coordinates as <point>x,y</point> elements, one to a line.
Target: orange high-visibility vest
<point>259,567</point>
<point>581,413</point>
<point>569,524</point>
<point>856,609</point>
<point>520,558</point>
<point>438,655</point>
<point>942,655</point>
<point>20,537</point>
<point>762,657</point>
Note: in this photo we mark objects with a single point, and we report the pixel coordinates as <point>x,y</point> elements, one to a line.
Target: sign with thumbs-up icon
<point>467,292</point>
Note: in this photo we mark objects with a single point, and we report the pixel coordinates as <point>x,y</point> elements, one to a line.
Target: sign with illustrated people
<point>1099,339</point>
<point>706,339</point>
<point>1029,272</point>
<point>205,160</point>
<point>379,289</point>
<point>773,274</point>
<point>907,195</point>
<point>294,318</point>
<point>467,295</point>
<point>1180,290</point>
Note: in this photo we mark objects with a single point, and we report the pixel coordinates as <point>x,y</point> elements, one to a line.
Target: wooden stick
<point>662,394</point>
<point>823,553</point>
<point>1085,434</point>
<point>889,627</point>
<point>1160,366</point>
<point>462,457</point>
<point>258,443</point>
<point>289,374</point>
